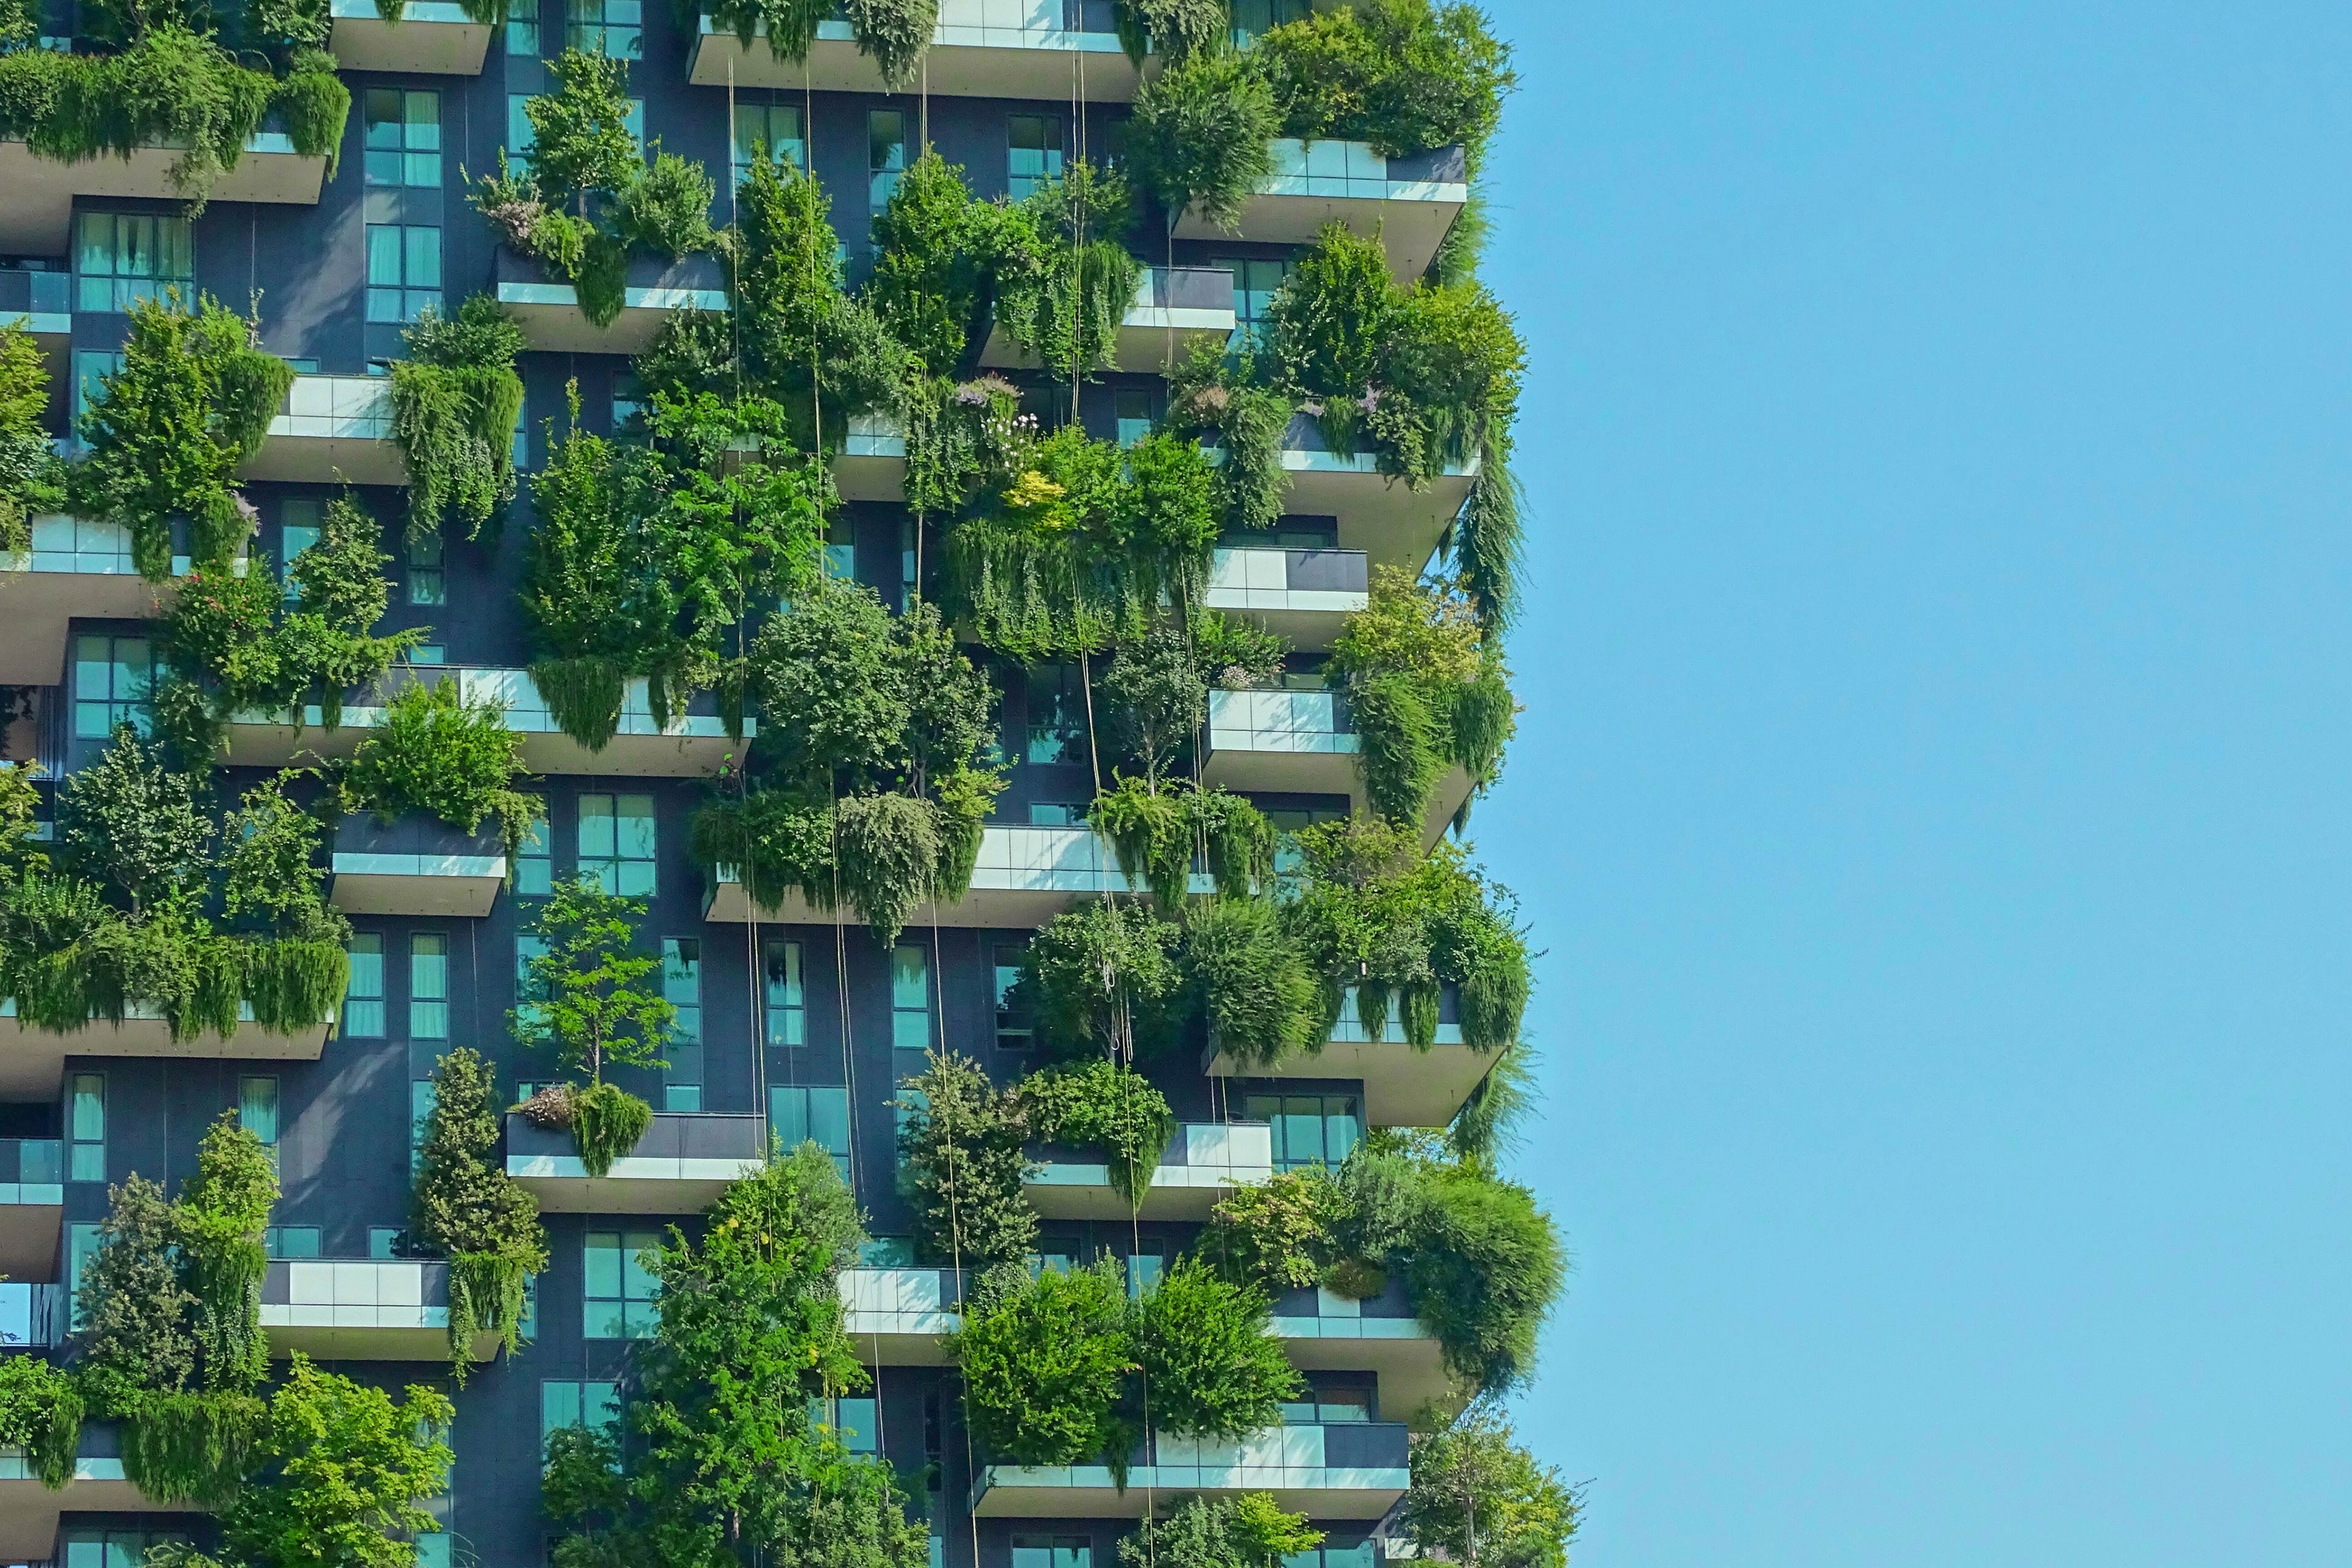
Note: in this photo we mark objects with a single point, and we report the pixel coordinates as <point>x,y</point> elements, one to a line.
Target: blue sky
<point>1932,793</point>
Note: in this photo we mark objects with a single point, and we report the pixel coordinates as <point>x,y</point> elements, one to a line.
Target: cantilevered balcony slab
<point>1404,1085</point>
<point>38,211</point>
<point>1304,595</point>
<point>361,1309</point>
<point>334,429</point>
<point>980,48</point>
<point>76,569</point>
<point>897,1316</point>
<point>29,1510</point>
<point>32,1206</point>
<point>1324,1333</point>
<point>417,865</point>
<point>1407,203</point>
<point>43,303</point>
<point>1024,876</point>
<point>872,463</point>
<point>680,1167</point>
<point>548,309</point>
<point>431,37</point>
<point>31,1058</point>
<point>1204,1162</point>
<point>1174,308</point>
<point>1303,742</point>
<point>1339,1471</point>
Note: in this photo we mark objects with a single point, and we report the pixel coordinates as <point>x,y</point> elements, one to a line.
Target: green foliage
<point>1200,136</point>
<point>347,1471</point>
<point>1102,1105</point>
<point>596,998</point>
<point>1279,1232</point>
<point>168,432</point>
<point>32,479</point>
<point>1483,1272</point>
<point>1157,696</point>
<point>1101,979</point>
<point>1425,689</point>
<point>466,1205</point>
<point>926,279</point>
<point>1212,1366</point>
<point>580,139</point>
<point>665,209</point>
<point>960,441</point>
<point>1221,402</point>
<point>455,402</point>
<point>40,1415</point>
<point>1044,1366</point>
<point>1156,834</point>
<point>789,26</point>
<point>1252,982</point>
<point>133,825</point>
<point>1246,1531</point>
<point>960,1155</point>
<point>194,1448</point>
<point>1176,29</point>
<point>607,1121</point>
<point>894,33</point>
<point>1063,279</point>
<point>1404,75</point>
<point>221,1211</point>
<point>133,1317</point>
<point>1486,543</point>
<point>433,751</point>
<point>1478,1496</point>
<point>1487,1124</point>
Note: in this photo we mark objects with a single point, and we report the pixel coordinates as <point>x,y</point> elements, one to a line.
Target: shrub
<point>456,400</point>
<point>1425,690</point>
<point>1246,1531</point>
<point>1101,1105</point>
<point>1099,979</point>
<point>1403,75</point>
<point>350,1472</point>
<point>665,209</point>
<point>1482,1273</point>
<point>1252,982</point>
<point>1212,1366</point>
<point>926,283</point>
<point>464,1205</point>
<point>40,1415</point>
<point>32,479</point>
<point>1062,279</point>
<point>1046,1367</point>
<point>433,751</point>
<point>1221,402</point>
<point>1199,137</point>
<point>607,1122</point>
<point>961,1150</point>
<point>1279,1232</point>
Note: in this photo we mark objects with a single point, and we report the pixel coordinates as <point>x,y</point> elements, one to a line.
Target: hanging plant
<point>1177,30</point>
<point>464,1205</point>
<point>1252,982</point>
<point>456,403</point>
<point>1200,138</point>
<point>893,34</point>
<point>1102,1106</point>
<point>607,1122</point>
<point>962,440</point>
<point>433,751</point>
<point>789,26</point>
<point>1425,690</point>
<point>32,476</point>
<point>1062,279</point>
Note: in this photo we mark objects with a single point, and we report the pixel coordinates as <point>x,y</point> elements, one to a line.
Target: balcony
<point>1404,1087</point>
<point>1202,1163</point>
<point>418,864</point>
<point>1304,595</point>
<point>362,1310</point>
<point>1174,308</point>
<point>38,212</point>
<point>897,1315</point>
<point>34,1317</point>
<point>1342,1470</point>
<point>433,37</point>
<point>76,569</point>
<point>29,1511</point>
<point>680,1165</point>
<point>334,429</point>
<point>44,302</point>
<point>1303,742</point>
<point>550,316</point>
<point>32,1206</point>
<point>982,48</point>
<point>1025,876</point>
<point>1324,1333</point>
<point>31,1058</point>
<point>872,463</point>
<point>1407,204</point>
<point>1391,521</point>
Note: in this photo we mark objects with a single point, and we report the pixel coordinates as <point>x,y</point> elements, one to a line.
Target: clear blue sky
<point>1935,780</point>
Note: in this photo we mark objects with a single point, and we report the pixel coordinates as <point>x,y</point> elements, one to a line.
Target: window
<point>910,999</point>
<point>1329,1404</point>
<point>291,1240</point>
<point>534,869</point>
<point>403,270</point>
<point>798,1115</point>
<point>386,1242</point>
<point>1015,1029</point>
<point>527,1329</point>
<point>429,580</point>
<point>1255,283</point>
<point>111,679</point>
<point>1056,1253</point>
<point>887,1252</point>
<point>841,549</point>
<point>1134,406</point>
<point>1056,814</point>
<point>619,1290</point>
<point>428,986</point>
<point>564,1404</point>
<point>81,1245</point>
<point>886,156</point>
<point>682,986</point>
<point>123,257</point>
<point>520,138</point>
<point>628,402</point>
<point>773,130</point>
<point>616,842</point>
<point>428,653</point>
<point>1251,18</point>
<point>1287,825</point>
<point>95,1546</point>
<point>905,563</point>
<point>1309,1129</point>
<point>423,1096</point>
<point>529,993</point>
<point>90,371</point>
<point>522,26</point>
<point>787,997</point>
<point>256,1107</point>
<point>1145,1265</point>
<point>86,1128</point>
<point>1033,153</point>
<point>363,997</point>
<point>1053,1552</point>
<point>404,137</point>
<point>433,1550</point>
<point>616,28</point>
<point>1057,714</point>
<point>298,530</point>
<point>856,1422</point>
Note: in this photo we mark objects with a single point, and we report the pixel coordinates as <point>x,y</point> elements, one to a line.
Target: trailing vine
<point>1101,1105</point>
<point>455,401</point>
<point>1224,404</point>
<point>1426,689</point>
<point>1063,279</point>
<point>962,1146</point>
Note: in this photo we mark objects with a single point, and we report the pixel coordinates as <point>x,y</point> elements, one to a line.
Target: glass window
<point>386,1242</point>
<point>433,1550</point>
<point>616,28</point>
<point>841,549</point>
<point>905,563</point>
<point>428,653</point>
<point>1251,17</point>
<point>91,369</point>
<point>428,986</point>
<point>629,402</point>
<point>856,1422</point>
<point>1057,1253</point>
<point>1033,153</point>
<point>1309,1129</point>
<point>618,1289</point>
<point>534,867</point>
<point>522,26</point>
<point>1321,1406</point>
<point>363,997</point>
<point>1057,714</point>
<point>1144,1266</point>
<point>633,120</point>
<point>1053,1552</point>
<point>1134,406</point>
<point>1255,283</point>
<point>682,986</point>
<point>256,1107</point>
<point>97,1546</point>
<point>122,256</point>
<point>85,1127</point>
<point>428,579</point>
<point>1056,814</point>
<point>298,530</point>
<point>616,843</point>
<point>81,1245</point>
<point>403,270</point>
<point>111,679</point>
<point>787,996</point>
<point>886,156</point>
<point>291,1240</point>
<point>798,1115</point>
<point>910,998</point>
<point>423,1096</point>
<point>770,129</point>
<point>567,1404</point>
<point>520,138</point>
<point>403,136</point>
<point>1015,1029</point>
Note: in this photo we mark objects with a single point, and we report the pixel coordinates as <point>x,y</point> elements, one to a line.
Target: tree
<point>594,1005</point>
<point>1247,1531</point>
<point>133,1318</point>
<point>1478,1496</point>
<point>1212,1366</point>
<point>927,280</point>
<point>345,1471</point>
<point>132,824</point>
<point>467,1205</point>
<point>961,1150</point>
<point>1047,1364</point>
<point>1101,978</point>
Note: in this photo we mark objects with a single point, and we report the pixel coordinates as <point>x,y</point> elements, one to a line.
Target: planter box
<point>29,1511</point>
<point>1202,1165</point>
<point>362,1310</point>
<point>1402,1086</point>
<point>680,1165</point>
<point>1174,308</point>
<point>32,1058</point>
<point>433,37</point>
<point>417,865</point>
<point>1344,1470</point>
<point>1407,203</point>
<point>982,48</point>
<point>549,312</point>
<point>38,213</point>
<point>1304,595</point>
